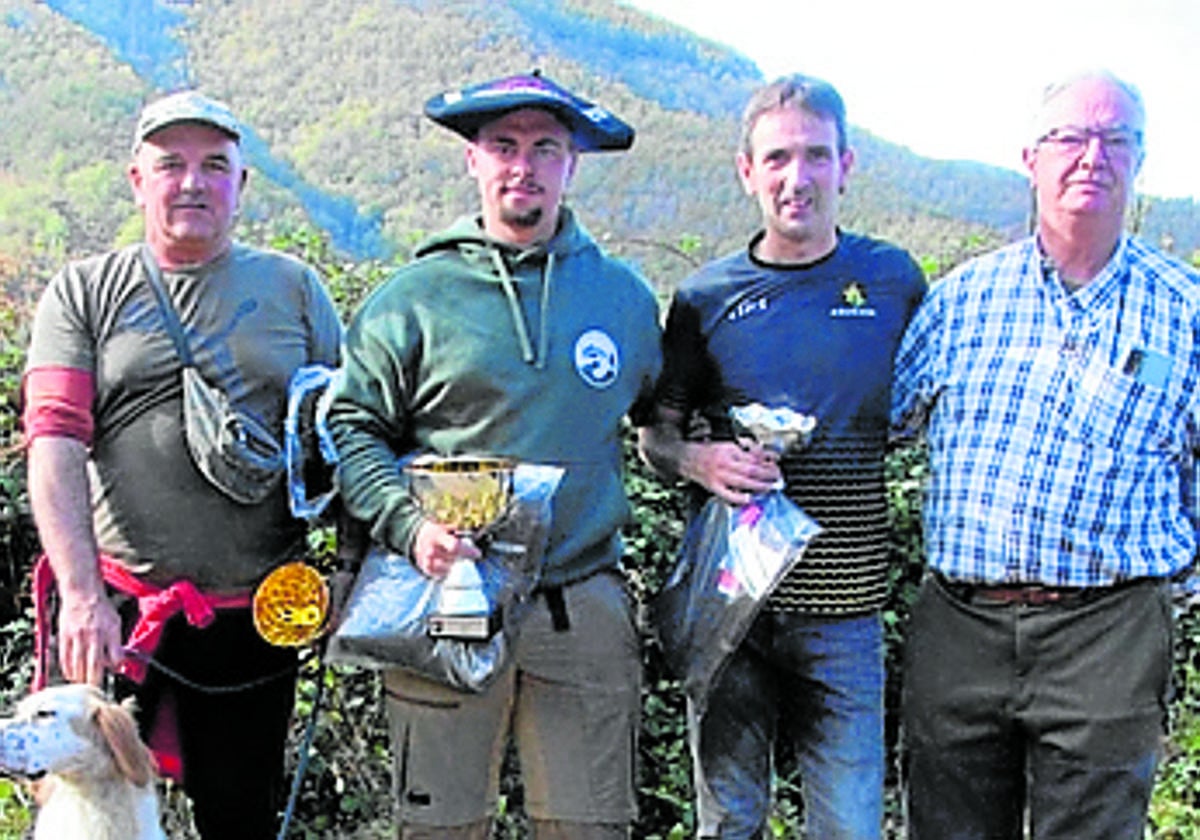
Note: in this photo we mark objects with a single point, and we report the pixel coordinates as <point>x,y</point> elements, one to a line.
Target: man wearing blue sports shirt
<point>807,317</point>
<point>1057,381</point>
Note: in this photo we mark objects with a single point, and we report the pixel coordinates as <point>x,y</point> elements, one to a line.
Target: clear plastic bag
<point>308,445</point>
<point>385,621</point>
<point>731,559</point>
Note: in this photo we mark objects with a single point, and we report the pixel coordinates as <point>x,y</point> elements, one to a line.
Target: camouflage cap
<point>186,106</point>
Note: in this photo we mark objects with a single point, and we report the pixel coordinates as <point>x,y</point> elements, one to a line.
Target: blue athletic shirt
<point>818,338</point>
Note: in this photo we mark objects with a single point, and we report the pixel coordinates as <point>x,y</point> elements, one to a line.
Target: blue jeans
<point>817,682</point>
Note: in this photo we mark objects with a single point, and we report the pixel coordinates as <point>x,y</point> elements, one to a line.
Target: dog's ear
<point>119,730</point>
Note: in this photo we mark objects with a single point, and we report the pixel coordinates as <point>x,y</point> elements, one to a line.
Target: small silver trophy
<point>467,494</point>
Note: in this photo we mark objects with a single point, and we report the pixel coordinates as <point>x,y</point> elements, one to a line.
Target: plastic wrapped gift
<point>385,623</point>
<point>731,559</point>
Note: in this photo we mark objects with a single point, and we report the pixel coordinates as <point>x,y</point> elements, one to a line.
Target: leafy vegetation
<point>344,792</point>
<point>349,175</point>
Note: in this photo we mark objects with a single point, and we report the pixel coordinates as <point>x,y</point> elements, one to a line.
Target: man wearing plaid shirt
<point>1058,384</point>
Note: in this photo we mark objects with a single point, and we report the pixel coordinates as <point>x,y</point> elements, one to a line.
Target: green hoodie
<point>478,347</point>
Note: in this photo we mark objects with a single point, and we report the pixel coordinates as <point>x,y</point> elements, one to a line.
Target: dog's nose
<point>16,755</point>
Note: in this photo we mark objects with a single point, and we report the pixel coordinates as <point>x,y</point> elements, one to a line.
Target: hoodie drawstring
<point>544,314</point>
<point>518,317</point>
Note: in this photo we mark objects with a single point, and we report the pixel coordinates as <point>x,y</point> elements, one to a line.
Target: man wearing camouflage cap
<point>512,334</point>
<point>138,538</point>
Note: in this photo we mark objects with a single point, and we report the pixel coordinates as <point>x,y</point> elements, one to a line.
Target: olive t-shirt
<point>251,318</point>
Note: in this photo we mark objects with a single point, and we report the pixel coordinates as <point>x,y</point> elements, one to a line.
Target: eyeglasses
<point>1070,140</point>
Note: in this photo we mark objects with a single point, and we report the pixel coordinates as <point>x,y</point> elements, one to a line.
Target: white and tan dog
<point>99,776</point>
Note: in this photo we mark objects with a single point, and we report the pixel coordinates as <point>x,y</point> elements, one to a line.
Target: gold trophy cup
<point>467,494</point>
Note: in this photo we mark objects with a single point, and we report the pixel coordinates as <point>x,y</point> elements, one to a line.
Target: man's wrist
<point>82,588</point>
<point>689,460</point>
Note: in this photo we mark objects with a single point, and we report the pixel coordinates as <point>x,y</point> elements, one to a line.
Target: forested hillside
<point>333,92</point>
<point>349,175</point>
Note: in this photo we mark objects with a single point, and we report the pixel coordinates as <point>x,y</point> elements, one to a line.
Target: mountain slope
<point>333,90</point>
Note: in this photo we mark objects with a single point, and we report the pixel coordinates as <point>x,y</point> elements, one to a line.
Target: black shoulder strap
<point>170,316</point>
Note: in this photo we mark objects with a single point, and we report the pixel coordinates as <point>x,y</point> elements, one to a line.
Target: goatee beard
<point>529,219</point>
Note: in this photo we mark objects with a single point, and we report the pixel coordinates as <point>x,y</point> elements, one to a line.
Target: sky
<point>958,80</point>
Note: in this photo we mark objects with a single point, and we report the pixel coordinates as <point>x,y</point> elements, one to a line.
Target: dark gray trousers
<point>1046,718</point>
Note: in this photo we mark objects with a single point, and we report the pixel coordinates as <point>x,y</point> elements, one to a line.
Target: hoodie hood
<point>497,261</point>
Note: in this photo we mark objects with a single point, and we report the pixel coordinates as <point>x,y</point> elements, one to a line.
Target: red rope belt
<point>155,606</point>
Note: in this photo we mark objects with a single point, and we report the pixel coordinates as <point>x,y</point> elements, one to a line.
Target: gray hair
<point>1054,89</point>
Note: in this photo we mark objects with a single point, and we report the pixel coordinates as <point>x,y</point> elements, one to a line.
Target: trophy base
<point>472,628</point>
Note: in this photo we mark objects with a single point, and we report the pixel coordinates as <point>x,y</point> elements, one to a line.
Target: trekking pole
<point>305,749</point>
<point>290,608</point>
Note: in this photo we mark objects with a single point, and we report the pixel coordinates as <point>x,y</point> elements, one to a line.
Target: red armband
<point>58,403</point>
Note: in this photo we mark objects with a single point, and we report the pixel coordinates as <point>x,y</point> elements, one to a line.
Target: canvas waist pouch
<point>234,451</point>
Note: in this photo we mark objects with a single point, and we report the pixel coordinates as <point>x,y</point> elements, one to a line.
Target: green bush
<point>345,789</point>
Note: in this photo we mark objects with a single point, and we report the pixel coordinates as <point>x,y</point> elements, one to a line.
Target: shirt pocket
<point>1116,411</point>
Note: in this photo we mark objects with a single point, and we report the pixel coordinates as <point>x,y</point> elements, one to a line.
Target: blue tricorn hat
<point>465,111</point>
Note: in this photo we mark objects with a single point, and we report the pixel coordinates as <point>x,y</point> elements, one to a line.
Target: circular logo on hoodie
<point>596,359</point>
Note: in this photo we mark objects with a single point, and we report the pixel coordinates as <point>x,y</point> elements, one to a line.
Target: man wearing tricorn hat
<point>512,334</point>
<point>143,544</point>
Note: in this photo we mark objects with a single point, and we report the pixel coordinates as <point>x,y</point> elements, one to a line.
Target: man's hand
<point>733,472</point>
<point>89,629</point>
<point>89,637</point>
<point>436,548</point>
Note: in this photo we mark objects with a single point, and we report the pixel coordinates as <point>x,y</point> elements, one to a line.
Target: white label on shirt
<point>596,359</point>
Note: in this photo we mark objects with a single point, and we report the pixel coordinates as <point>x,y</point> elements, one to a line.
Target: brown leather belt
<point>1026,594</point>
